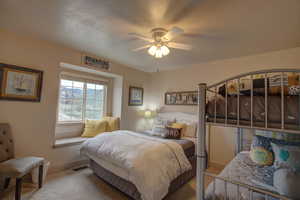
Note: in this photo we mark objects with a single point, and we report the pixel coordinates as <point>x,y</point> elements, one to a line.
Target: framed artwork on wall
<point>20,83</point>
<point>135,96</point>
<point>181,98</point>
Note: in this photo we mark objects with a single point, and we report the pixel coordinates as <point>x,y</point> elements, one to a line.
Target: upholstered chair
<point>15,168</point>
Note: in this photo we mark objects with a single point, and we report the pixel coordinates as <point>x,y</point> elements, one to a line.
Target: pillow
<point>178,125</point>
<point>275,80</point>
<point>94,127</point>
<point>261,156</point>
<point>263,140</point>
<point>189,128</point>
<point>232,89</point>
<point>287,183</point>
<point>261,151</point>
<point>159,126</point>
<point>173,133</point>
<point>287,157</point>
<point>112,123</point>
<point>245,85</point>
<point>294,90</point>
<point>280,137</point>
<point>258,86</point>
<point>275,84</point>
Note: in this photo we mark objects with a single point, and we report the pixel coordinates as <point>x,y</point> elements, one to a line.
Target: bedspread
<point>151,163</point>
<point>243,170</point>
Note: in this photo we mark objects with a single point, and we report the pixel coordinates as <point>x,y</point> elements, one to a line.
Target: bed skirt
<point>129,188</point>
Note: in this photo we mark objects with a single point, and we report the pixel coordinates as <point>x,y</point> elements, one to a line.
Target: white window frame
<point>85,79</point>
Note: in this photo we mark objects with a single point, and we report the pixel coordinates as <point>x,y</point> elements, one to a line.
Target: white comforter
<point>152,163</point>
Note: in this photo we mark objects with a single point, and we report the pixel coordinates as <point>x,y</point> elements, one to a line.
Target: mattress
<point>291,108</point>
<point>129,188</point>
<point>242,169</point>
<point>118,177</point>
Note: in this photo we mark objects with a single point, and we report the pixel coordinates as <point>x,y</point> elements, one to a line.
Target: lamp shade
<point>148,114</point>
<point>165,50</point>
<point>152,50</point>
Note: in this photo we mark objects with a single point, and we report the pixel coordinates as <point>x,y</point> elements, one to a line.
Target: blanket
<point>152,163</point>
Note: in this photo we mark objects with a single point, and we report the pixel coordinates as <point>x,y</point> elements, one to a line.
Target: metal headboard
<point>266,73</point>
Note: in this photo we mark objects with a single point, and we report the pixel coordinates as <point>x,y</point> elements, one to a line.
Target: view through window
<point>81,100</point>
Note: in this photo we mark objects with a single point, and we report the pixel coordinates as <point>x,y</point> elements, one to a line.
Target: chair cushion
<point>6,143</point>
<point>15,168</point>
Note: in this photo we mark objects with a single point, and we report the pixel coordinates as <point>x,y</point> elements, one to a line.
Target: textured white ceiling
<point>217,29</point>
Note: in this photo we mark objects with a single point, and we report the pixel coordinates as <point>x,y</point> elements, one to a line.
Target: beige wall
<point>187,79</point>
<point>33,124</point>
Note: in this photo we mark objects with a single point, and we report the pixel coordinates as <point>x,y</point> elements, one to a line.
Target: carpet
<point>84,185</point>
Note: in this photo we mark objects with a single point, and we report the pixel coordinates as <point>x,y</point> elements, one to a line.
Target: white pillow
<point>159,126</point>
<point>287,183</point>
<point>190,130</point>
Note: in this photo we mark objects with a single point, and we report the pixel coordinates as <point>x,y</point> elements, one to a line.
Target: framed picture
<point>181,98</point>
<point>135,96</point>
<point>20,83</point>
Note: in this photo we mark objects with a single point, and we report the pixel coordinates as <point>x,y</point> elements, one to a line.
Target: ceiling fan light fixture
<point>165,50</point>
<point>161,41</point>
<point>158,53</point>
<point>152,50</point>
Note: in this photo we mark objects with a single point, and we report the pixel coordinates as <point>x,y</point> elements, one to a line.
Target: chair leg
<point>41,175</point>
<point>6,183</point>
<point>18,189</point>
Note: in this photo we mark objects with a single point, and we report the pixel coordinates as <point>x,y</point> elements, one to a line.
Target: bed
<point>240,169</point>
<point>266,100</point>
<point>127,172</point>
<point>291,116</point>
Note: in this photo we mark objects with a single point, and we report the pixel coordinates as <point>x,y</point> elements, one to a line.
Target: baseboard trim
<point>75,164</point>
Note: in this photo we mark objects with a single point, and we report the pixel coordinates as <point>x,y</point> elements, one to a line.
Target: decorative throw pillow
<point>294,90</point>
<point>263,139</point>
<point>232,89</point>
<point>178,125</point>
<point>275,83</point>
<point>287,183</point>
<point>280,137</point>
<point>173,133</point>
<point>261,151</point>
<point>287,157</point>
<point>159,126</point>
<point>112,123</point>
<point>275,80</point>
<point>189,128</point>
<point>261,156</point>
<point>94,127</point>
<point>181,126</point>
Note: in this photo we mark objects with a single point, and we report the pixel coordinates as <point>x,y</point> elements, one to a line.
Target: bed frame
<point>203,90</point>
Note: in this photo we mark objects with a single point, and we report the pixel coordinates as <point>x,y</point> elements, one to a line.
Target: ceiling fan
<point>161,41</point>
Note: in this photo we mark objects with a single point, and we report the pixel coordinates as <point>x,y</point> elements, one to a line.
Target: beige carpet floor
<point>84,185</point>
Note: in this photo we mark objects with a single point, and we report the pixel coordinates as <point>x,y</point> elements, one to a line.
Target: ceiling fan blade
<point>176,45</point>
<point>141,48</point>
<point>142,37</point>
<point>175,31</point>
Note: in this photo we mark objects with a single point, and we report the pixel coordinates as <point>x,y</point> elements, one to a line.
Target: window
<point>80,100</point>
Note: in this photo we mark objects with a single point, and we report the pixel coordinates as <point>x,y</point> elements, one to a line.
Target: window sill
<point>68,141</point>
